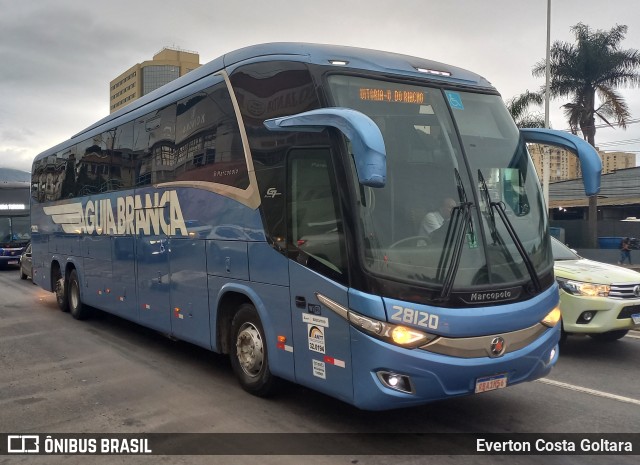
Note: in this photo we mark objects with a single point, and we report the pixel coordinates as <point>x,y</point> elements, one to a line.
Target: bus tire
<point>609,336</point>
<point>61,294</point>
<point>78,310</point>
<point>249,354</point>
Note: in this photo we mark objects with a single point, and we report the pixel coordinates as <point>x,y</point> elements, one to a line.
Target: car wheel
<point>249,354</point>
<point>609,336</point>
<point>23,275</point>
<point>78,310</point>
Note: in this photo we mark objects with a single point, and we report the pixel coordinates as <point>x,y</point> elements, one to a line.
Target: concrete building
<point>618,207</point>
<point>168,64</point>
<point>565,166</point>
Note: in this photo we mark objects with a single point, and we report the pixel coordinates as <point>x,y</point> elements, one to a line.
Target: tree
<point>519,107</point>
<point>589,72</point>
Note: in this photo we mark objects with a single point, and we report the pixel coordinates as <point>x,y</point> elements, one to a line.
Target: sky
<point>58,57</point>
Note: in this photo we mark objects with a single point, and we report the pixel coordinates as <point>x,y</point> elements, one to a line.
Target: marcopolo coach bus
<point>15,230</point>
<point>271,204</point>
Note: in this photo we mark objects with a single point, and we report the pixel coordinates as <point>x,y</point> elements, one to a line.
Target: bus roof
<point>352,57</point>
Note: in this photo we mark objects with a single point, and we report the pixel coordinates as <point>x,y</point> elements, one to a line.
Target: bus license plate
<point>489,383</point>
<point>636,318</point>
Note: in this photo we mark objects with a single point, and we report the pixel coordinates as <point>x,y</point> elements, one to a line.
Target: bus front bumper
<point>429,376</point>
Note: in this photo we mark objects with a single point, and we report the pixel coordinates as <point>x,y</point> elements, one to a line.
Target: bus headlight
<point>394,334</point>
<point>408,337</point>
<point>552,318</point>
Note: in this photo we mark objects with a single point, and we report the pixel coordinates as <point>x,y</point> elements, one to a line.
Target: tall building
<point>142,78</point>
<point>565,165</point>
<point>613,161</point>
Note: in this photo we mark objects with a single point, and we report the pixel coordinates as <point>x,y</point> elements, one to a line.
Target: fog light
<point>396,382</point>
<point>585,317</point>
<point>552,354</point>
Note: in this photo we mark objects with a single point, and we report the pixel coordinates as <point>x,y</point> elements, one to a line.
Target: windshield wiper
<point>499,207</point>
<point>454,241</point>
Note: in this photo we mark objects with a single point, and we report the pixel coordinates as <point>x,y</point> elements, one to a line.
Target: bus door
<point>317,266</point>
<point>152,261</point>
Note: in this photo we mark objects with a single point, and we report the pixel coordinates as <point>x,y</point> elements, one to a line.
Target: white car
<point>596,298</point>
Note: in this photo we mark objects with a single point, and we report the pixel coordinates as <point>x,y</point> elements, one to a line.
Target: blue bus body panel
<point>267,266</point>
<point>479,321</point>
<point>358,58</point>
<point>322,342</point>
<point>190,316</point>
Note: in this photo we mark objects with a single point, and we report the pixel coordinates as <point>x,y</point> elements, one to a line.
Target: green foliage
<point>589,72</point>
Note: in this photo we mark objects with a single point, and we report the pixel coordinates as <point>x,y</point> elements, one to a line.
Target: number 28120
<point>415,317</point>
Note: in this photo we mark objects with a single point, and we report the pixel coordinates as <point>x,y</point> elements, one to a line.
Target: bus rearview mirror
<point>590,163</point>
<point>366,140</point>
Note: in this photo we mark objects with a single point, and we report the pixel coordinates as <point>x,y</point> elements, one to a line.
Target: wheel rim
<point>74,295</point>
<point>249,350</point>
<point>59,287</point>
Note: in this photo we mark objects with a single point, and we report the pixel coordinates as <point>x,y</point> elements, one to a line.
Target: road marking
<point>585,390</point>
<point>633,336</point>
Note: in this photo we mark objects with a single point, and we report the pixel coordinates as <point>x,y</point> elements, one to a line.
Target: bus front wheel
<point>78,310</point>
<point>249,354</point>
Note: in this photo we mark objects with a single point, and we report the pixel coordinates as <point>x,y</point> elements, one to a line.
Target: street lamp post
<point>546,152</point>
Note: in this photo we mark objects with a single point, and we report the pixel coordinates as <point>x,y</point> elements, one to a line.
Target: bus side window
<point>316,236</point>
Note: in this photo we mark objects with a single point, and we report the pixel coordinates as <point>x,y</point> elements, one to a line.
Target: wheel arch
<point>230,297</point>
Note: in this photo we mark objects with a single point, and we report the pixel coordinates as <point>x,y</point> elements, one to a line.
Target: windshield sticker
<point>472,240</point>
<point>454,100</point>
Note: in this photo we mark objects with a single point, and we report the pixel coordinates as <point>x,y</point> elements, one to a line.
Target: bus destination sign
<point>391,95</point>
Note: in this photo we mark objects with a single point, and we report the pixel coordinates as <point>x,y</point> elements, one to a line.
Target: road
<point>107,375</point>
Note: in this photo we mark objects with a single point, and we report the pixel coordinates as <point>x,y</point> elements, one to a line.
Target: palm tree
<point>589,73</point>
<point>519,108</point>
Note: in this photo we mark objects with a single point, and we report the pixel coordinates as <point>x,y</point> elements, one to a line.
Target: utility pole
<point>546,152</point>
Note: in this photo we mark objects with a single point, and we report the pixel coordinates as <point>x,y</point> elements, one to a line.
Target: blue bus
<point>15,225</point>
<point>271,204</point>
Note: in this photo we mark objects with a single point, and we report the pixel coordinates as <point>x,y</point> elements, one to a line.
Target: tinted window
<point>208,143</point>
<point>154,146</point>
<point>269,90</point>
<point>316,236</point>
<point>92,165</point>
<point>122,171</point>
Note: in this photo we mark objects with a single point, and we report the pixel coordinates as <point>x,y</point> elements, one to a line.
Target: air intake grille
<point>625,291</point>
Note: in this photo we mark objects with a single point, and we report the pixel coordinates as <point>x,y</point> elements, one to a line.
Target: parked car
<point>597,299</point>
<point>26,269</point>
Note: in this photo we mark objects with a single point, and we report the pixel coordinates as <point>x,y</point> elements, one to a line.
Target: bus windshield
<point>15,229</point>
<point>458,177</point>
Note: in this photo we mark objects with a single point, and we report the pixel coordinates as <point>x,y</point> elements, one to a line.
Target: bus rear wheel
<point>249,354</point>
<point>61,294</point>
<point>78,310</point>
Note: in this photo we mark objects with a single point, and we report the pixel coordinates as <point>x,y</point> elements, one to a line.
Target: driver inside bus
<point>435,219</point>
